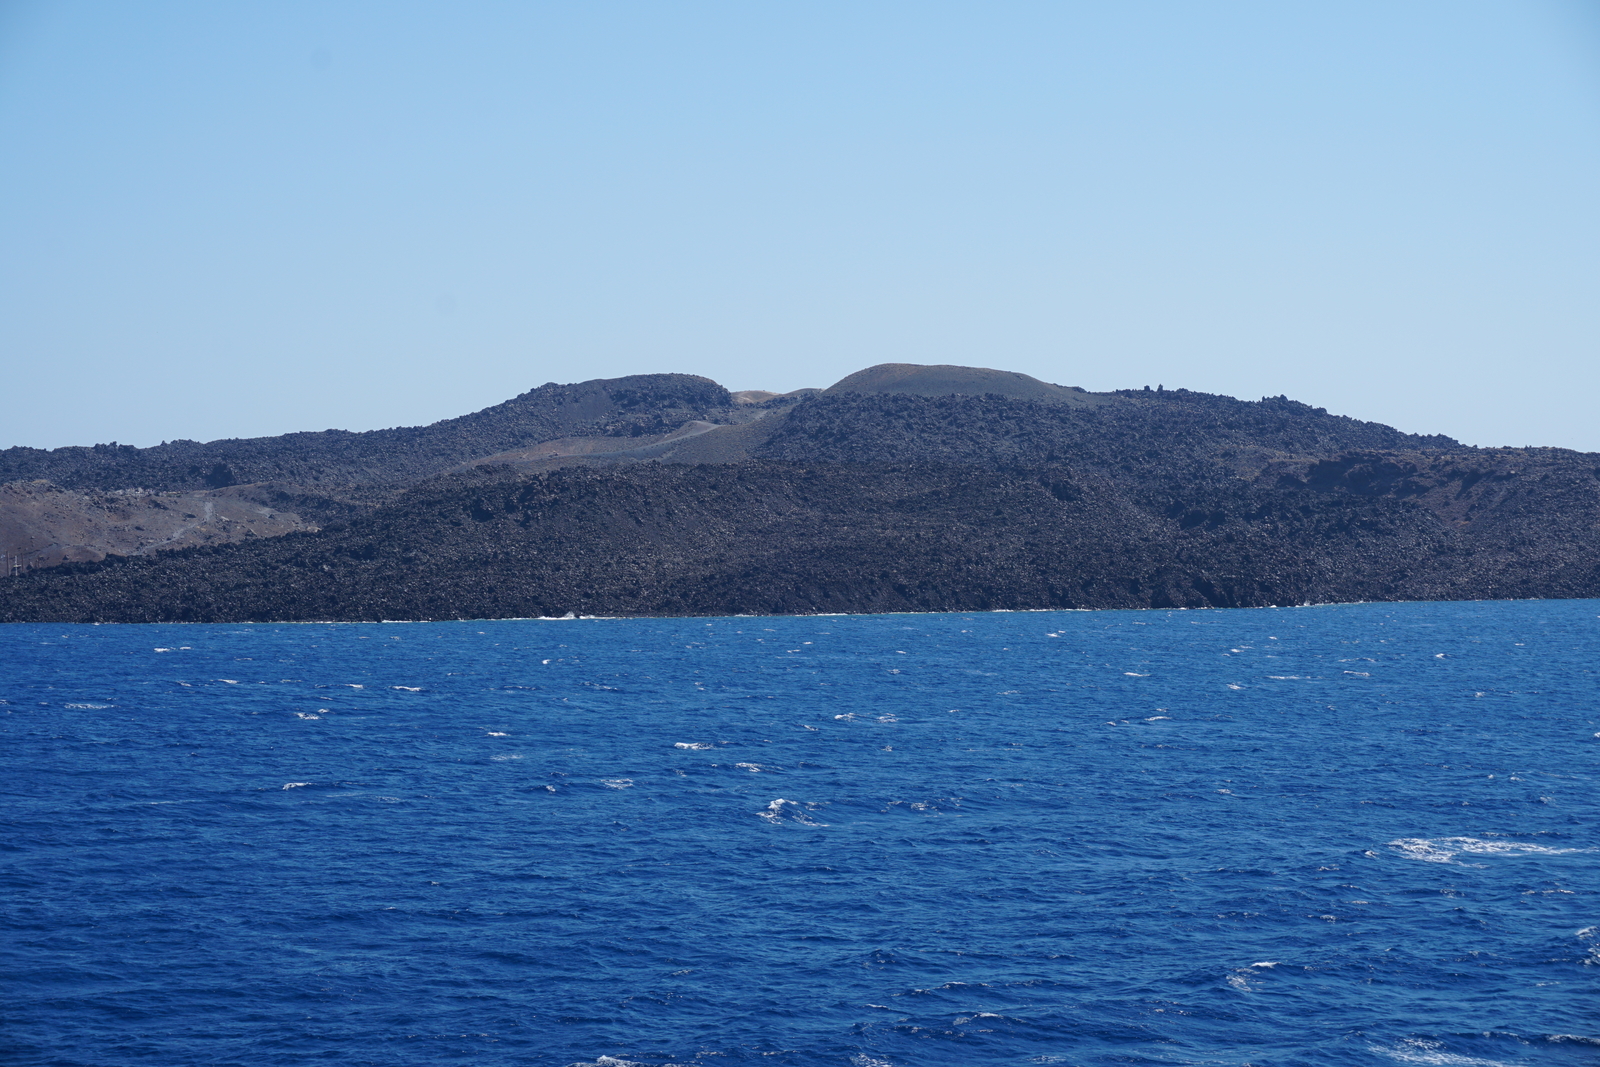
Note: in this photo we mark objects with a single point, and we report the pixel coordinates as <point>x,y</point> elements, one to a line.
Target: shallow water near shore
<point>1362,834</point>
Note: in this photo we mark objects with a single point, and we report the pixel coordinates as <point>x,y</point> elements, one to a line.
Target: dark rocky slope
<point>764,537</point>
<point>897,500</point>
<point>1131,434</point>
<point>621,407</point>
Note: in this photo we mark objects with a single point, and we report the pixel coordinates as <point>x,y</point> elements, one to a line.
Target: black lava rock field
<point>857,502</point>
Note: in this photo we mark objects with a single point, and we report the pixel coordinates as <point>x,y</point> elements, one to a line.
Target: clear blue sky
<point>231,219</point>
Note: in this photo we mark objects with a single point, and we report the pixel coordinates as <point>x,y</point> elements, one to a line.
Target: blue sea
<point>1362,834</point>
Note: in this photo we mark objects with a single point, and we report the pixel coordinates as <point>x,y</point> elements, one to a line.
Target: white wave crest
<point>1240,979</point>
<point>796,810</point>
<point>1414,1050</point>
<point>1446,849</point>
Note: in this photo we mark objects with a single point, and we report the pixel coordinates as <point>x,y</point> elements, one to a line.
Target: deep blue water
<point>1364,834</point>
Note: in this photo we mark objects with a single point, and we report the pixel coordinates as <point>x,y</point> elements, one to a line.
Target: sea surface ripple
<point>1363,834</point>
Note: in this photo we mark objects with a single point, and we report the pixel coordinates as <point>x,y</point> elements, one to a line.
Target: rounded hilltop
<point>943,379</point>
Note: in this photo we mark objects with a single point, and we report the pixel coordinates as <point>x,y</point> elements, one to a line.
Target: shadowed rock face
<point>937,496</point>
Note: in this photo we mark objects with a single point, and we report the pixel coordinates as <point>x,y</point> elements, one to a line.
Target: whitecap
<point>1413,1050</point>
<point>1445,849</point>
<point>88,707</point>
<point>693,746</point>
<point>408,688</point>
<point>1593,956</point>
<point>294,785</point>
<point>617,783</point>
<point>861,1059</point>
<point>793,809</point>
